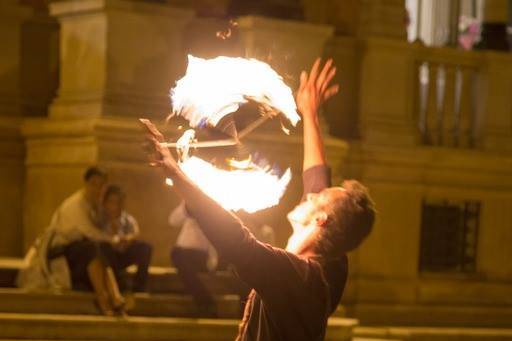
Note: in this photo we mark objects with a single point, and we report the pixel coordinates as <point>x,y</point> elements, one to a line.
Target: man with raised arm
<point>294,290</point>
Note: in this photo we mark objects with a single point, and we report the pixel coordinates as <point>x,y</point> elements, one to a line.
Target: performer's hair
<point>350,221</point>
<point>94,171</point>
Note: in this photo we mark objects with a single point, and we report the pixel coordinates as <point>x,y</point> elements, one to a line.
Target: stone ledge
<point>78,327</point>
<point>441,315</point>
<point>82,303</point>
<point>434,334</point>
<point>161,279</point>
<point>287,26</point>
<point>66,8</point>
<point>422,165</point>
<point>12,11</point>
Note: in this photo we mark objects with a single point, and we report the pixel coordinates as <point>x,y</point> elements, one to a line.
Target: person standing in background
<point>191,255</point>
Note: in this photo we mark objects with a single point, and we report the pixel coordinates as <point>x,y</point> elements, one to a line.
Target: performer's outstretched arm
<point>313,91</point>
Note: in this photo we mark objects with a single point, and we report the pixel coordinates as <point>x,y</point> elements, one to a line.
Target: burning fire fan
<point>211,91</point>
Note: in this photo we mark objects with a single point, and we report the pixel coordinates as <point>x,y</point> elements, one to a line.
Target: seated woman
<point>67,256</point>
<point>123,248</point>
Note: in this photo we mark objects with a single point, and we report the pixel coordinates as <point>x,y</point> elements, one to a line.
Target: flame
<point>240,164</point>
<point>250,189</point>
<point>247,186</point>
<point>213,88</point>
<point>224,34</point>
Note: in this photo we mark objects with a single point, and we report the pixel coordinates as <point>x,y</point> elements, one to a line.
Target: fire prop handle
<point>226,142</point>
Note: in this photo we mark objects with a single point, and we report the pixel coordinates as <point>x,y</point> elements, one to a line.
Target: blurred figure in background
<point>66,255</point>
<point>123,249</point>
<point>193,254</point>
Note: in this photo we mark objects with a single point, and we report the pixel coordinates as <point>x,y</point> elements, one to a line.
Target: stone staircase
<point>85,327</point>
<point>166,313</point>
<point>166,298</point>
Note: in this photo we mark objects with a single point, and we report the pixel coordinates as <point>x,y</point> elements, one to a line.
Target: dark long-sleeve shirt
<point>292,296</point>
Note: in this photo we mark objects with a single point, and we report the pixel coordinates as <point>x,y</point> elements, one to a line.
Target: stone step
<point>96,328</point>
<point>372,339</point>
<point>166,279</point>
<point>161,279</point>
<point>432,334</point>
<point>439,315</point>
<point>82,327</point>
<point>82,303</point>
<point>9,268</point>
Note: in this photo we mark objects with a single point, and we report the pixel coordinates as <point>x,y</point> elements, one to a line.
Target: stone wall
<point>402,171</point>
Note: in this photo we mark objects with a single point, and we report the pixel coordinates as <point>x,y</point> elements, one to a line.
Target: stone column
<point>361,18</point>
<point>40,59</point>
<point>288,46</point>
<point>386,117</point>
<point>494,27</point>
<point>117,57</point>
<point>283,9</point>
<point>12,17</point>
<point>118,61</point>
<point>495,118</point>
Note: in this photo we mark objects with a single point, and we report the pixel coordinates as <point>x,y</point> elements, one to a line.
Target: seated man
<point>124,249</point>
<point>297,289</point>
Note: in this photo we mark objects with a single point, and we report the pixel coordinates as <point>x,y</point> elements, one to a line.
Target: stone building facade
<point>428,130</point>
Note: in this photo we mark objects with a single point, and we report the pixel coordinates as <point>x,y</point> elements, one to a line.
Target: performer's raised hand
<point>159,156</point>
<point>315,88</point>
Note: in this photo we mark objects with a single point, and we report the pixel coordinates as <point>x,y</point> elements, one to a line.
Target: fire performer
<point>294,290</point>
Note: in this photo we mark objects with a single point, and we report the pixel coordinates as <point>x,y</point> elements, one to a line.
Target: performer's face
<point>310,215</point>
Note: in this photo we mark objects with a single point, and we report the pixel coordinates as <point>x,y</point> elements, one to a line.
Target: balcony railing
<point>447,95</point>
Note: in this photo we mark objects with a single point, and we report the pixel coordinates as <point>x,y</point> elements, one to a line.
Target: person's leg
<point>78,256</point>
<point>112,259</point>
<point>87,271</point>
<point>113,290</point>
<point>96,272</point>
<point>138,253</point>
<point>189,263</point>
